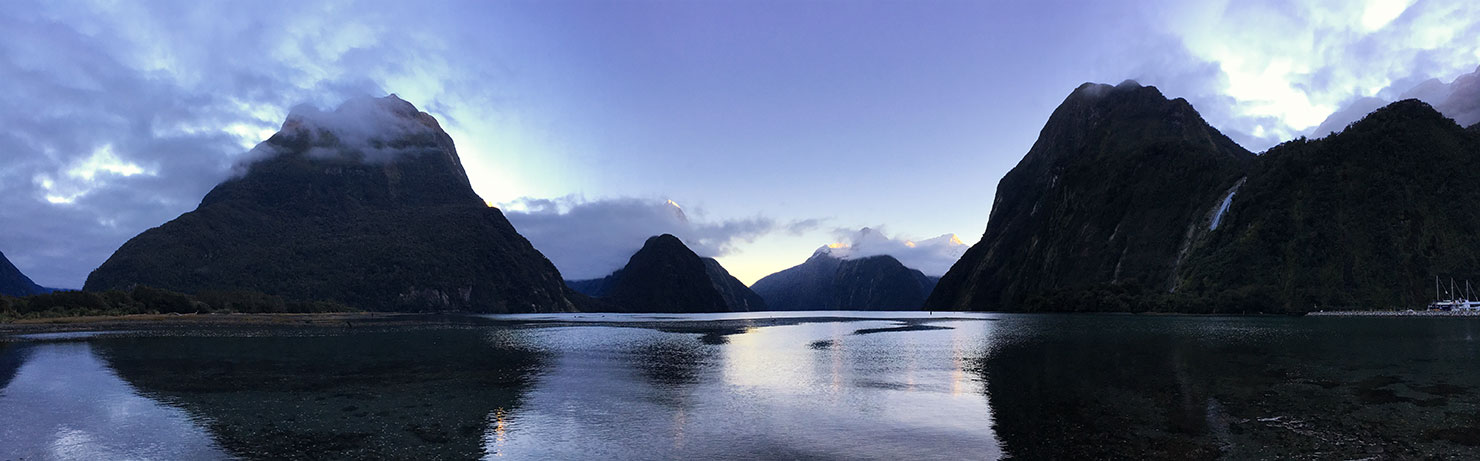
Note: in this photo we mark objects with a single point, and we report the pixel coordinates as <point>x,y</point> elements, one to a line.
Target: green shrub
<point>243,301</point>
<point>65,301</point>
<point>164,301</point>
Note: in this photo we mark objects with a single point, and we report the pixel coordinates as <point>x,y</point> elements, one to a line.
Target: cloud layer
<point>1265,71</point>
<point>932,256</point>
<point>591,239</point>
<point>120,116</point>
<point>1458,99</point>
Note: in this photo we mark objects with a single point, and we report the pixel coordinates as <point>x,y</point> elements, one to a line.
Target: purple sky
<point>777,127</point>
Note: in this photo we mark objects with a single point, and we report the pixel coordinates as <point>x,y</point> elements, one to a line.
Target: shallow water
<point>812,385</point>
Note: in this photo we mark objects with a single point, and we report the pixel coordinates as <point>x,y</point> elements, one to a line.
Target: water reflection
<point>392,394</point>
<point>806,386</point>
<point>812,390</point>
<point>60,401</point>
<point>1071,387</point>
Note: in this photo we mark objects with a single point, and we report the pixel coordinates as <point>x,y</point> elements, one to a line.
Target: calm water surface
<point>811,385</point>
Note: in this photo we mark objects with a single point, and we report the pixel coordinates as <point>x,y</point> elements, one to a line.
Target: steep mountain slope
<point>666,276</point>
<point>366,205</point>
<point>1111,193</point>
<point>1362,219</point>
<point>14,283</point>
<point>736,295</point>
<point>826,282</point>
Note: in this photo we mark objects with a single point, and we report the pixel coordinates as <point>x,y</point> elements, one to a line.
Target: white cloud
<point>128,113</point>
<point>933,256</point>
<point>1458,99</point>
<point>591,239</point>
<point>1283,68</point>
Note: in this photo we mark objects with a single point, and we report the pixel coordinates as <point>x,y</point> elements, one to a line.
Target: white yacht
<point>1454,301</point>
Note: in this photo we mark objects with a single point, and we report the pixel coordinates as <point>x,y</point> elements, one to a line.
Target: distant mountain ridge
<point>1130,201</point>
<point>367,205</point>
<point>15,283</point>
<point>666,276</point>
<point>827,282</point>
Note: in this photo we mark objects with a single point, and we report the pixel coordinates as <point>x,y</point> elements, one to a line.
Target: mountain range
<point>1131,201</point>
<point>827,281</point>
<point>1127,201</point>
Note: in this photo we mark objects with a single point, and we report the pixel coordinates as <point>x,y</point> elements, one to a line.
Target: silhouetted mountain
<point>1112,192</point>
<point>1365,218</point>
<point>14,283</point>
<point>738,296</point>
<point>666,276</point>
<point>825,282</point>
<point>367,205</point>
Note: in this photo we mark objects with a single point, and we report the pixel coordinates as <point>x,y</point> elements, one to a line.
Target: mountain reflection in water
<point>746,386</point>
<point>60,401</point>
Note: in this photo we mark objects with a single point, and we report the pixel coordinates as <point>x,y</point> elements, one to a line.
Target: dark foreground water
<point>808,386</point>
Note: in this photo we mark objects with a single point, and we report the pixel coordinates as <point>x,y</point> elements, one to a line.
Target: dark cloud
<point>590,239</point>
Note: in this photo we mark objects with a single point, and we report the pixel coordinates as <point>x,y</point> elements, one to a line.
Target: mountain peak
<point>1404,110</point>
<point>1094,91</point>
<point>368,152</point>
<point>15,283</point>
<point>367,204</point>
<point>825,282</point>
<point>1097,184</point>
<point>666,276</point>
<point>663,241</point>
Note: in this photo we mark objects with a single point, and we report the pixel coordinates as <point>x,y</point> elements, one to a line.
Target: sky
<point>775,127</point>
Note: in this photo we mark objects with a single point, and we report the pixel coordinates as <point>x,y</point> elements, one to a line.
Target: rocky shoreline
<point>173,321</point>
<point>1396,313</point>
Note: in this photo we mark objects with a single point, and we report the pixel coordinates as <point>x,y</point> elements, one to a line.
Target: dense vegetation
<point>1365,218</point>
<point>316,218</point>
<point>1135,298</point>
<point>1109,194</point>
<point>146,300</point>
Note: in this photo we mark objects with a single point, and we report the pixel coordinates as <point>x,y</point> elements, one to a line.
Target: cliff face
<point>666,276</point>
<point>825,282</point>
<point>1113,192</point>
<point>366,205</point>
<point>15,283</point>
<point>1365,218</point>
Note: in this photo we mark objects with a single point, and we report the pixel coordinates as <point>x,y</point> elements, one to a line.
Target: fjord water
<point>809,385</point>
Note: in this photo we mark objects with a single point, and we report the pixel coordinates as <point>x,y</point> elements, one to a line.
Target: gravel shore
<point>1402,313</point>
